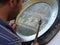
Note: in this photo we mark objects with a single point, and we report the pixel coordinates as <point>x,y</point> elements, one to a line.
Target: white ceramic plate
<point>33,11</point>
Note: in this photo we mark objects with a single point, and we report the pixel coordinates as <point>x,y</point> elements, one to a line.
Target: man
<point>9,10</point>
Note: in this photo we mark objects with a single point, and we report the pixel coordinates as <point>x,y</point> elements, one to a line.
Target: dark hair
<point>3,1</point>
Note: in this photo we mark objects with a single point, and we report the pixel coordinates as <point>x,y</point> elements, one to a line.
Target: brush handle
<point>38,31</point>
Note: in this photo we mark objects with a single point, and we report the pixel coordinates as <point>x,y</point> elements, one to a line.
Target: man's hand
<point>13,24</point>
<point>35,43</point>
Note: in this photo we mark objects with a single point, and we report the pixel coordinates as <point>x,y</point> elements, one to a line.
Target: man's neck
<point>3,17</point>
<point>3,12</point>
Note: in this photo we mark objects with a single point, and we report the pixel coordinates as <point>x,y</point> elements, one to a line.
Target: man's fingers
<point>11,22</point>
<point>36,43</point>
<point>14,26</point>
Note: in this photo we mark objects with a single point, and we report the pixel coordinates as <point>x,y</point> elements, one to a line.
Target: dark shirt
<point>8,35</point>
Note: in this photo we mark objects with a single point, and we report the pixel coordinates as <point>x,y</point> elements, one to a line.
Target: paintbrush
<point>38,29</point>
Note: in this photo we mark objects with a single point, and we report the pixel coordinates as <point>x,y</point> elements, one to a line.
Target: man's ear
<point>12,3</point>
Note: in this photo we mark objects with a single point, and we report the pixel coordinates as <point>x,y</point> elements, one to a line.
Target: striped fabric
<point>7,36</point>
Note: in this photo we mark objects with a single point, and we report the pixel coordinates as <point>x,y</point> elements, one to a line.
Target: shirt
<point>7,35</point>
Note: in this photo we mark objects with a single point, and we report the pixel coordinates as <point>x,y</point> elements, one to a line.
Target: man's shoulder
<point>7,37</point>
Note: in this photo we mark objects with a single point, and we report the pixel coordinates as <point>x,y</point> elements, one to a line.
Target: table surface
<point>55,40</point>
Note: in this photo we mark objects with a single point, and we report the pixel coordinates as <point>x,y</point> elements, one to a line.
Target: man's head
<point>11,7</point>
